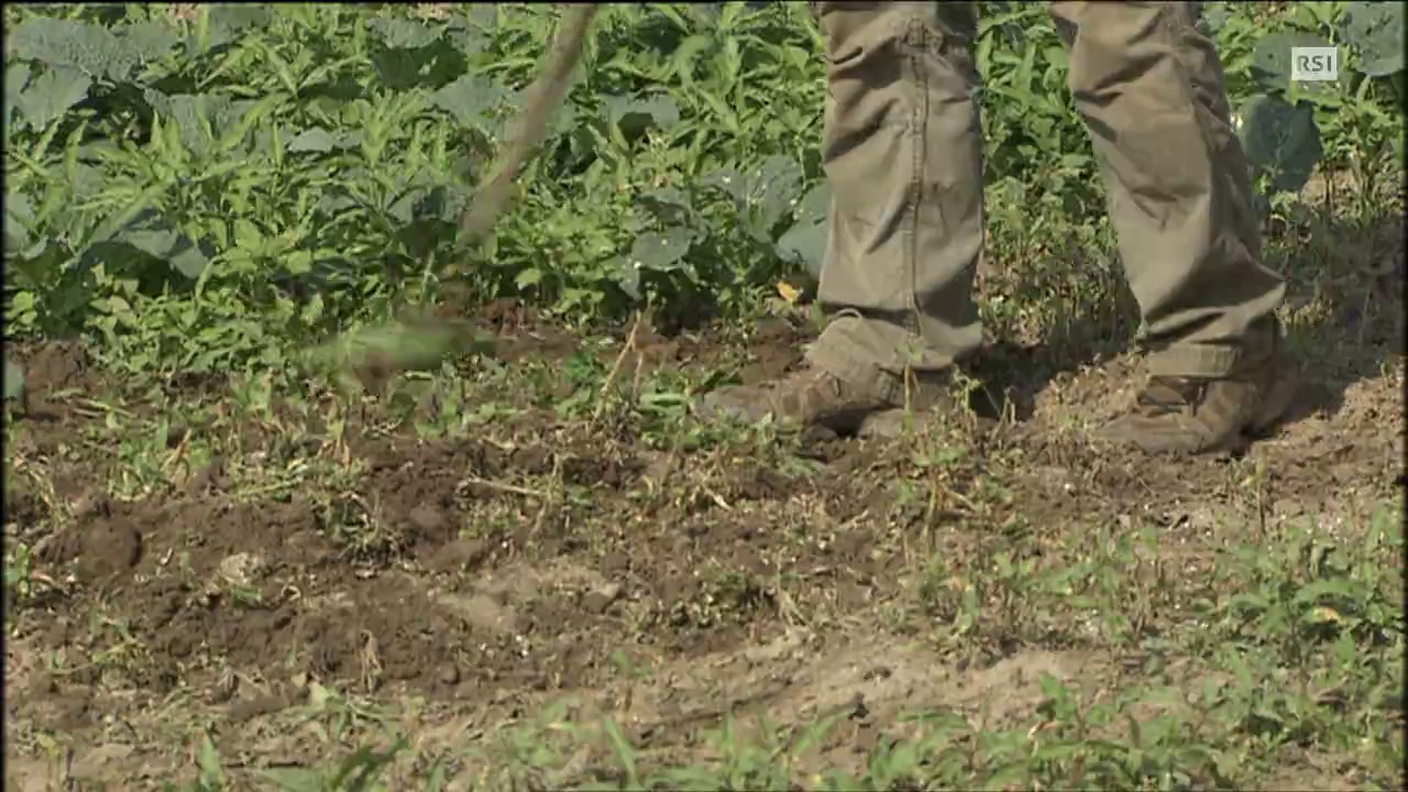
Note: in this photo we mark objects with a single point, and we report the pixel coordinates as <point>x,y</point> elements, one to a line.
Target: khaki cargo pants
<point>904,158</point>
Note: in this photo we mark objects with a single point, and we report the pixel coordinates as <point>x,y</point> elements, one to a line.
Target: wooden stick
<point>542,99</point>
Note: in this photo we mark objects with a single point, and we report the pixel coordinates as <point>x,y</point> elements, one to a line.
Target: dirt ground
<point>550,557</point>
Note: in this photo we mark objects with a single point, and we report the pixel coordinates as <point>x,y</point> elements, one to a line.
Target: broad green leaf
<point>156,239</point>
<point>91,49</point>
<point>317,139</point>
<point>199,119</point>
<point>1214,16</point>
<point>467,41</point>
<point>470,99</point>
<point>774,190</point>
<point>528,277</point>
<point>1282,139</point>
<point>402,69</point>
<point>264,144</point>
<point>188,259</point>
<point>16,78</point>
<point>667,196</point>
<point>669,205</point>
<point>1376,30</point>
<point>299,262</point>
<point>87,180</point>
<point>624,111</point>
<point>1271,60</point>
<point>441,202</point>
<point>231,122</point>
<point>405,33</point>
<point>730,182</point>
<point>483,15</point>
<point>661,252</point>
<point>626,273</point>
<point>817,205</point>
<point>764,194</point>
<point>51,94</point>
<point>403,207</point>
<point>333,203</point>
<point>806,240</point>
<point>228,20</point>
<point>19,216</point>
<point>14,380</point>
<point>148,41</point>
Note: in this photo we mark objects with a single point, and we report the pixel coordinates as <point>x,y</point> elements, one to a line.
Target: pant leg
<point>903,153</point>
<point>1150,87</point>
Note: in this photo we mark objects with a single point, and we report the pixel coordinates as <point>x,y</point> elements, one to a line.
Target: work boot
<point>815,397</point>
<point>1194,415</point>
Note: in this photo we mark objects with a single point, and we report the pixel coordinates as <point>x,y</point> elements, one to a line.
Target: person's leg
<point>903,154</point>
<point>1150,87</point>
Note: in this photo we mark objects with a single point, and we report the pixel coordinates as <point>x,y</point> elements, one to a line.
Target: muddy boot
<point>815,397</point>
<point>1194,415</point>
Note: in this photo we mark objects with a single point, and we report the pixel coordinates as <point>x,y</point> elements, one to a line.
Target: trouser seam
<point>914,43</point>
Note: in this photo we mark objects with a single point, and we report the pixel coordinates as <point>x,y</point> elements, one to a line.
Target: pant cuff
<point>1206,361</point>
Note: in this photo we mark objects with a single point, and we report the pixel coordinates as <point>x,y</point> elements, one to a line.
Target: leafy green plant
<point>1286,127</point>
<point>175,183</point>
<point>14,380</point>
<point>215,190</point>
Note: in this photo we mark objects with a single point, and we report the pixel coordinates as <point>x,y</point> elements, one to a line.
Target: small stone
<point>598,601</point>
<point>450,675</point>
<point>241,569</point>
